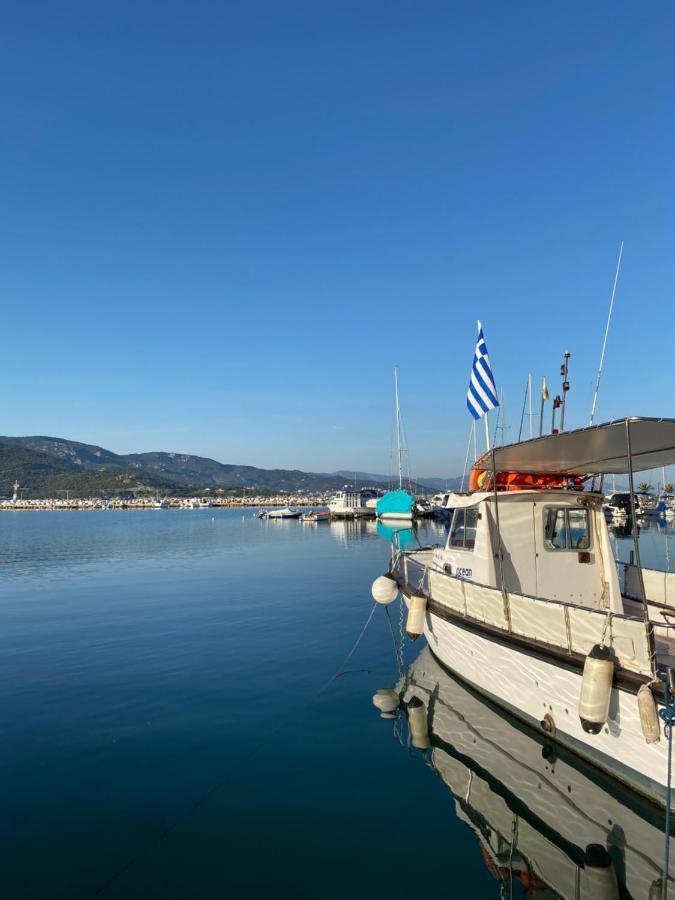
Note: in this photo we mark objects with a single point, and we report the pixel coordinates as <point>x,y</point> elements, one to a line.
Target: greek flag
<point>482,393</point>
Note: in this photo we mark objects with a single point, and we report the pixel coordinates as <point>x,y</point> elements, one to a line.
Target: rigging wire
<point>604,343</point>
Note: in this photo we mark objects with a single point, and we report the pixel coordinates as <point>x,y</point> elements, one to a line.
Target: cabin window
<point>566,529</point>
<point>463,534</point>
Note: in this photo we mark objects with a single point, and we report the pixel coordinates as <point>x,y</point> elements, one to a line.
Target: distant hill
<point>46,466</point>
<point>186,469</point>
<point>46,475</point>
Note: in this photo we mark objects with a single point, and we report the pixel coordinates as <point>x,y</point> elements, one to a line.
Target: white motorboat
<point>617,504</point>
<point>286,513</point>
<point>351,504</point>
<point>541,816</point>
<point>525,603</point>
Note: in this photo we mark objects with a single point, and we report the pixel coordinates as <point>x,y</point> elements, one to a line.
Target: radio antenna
<point>604,343</point>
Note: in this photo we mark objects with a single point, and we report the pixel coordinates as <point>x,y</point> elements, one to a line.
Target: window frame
<point>462,510</point>
<point>567,549</point>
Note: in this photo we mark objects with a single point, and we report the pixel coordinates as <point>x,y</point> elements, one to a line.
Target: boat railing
<point>565,626</point>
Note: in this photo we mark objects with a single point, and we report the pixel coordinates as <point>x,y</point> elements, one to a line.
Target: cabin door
<point>568,563</point>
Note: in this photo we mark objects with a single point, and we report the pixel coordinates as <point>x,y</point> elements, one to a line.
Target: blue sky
<point>223,224</point>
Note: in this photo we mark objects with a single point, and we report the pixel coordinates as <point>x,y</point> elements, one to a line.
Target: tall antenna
<point>564,373</point>
<point>522,414</point>
<point>398,431</point>
<point>604,343</point>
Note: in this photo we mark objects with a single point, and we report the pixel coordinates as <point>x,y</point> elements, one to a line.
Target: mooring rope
<point>339,671</point>
<point>217,786</point>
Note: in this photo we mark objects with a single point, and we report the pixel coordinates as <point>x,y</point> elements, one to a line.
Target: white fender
<point>596,689</point>
<point>417,608</point>
<point>384,590</point>
<point>649,716</point>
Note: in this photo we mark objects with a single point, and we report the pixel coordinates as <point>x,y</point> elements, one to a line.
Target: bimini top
<point>598,450</point>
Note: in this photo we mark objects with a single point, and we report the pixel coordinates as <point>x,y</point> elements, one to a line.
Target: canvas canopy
<point>462,501</point>
<point>599,450</point>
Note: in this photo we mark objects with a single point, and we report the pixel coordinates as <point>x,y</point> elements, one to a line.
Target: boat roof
<point>596,450</point>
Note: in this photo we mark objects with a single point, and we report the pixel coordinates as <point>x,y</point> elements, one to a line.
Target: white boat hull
<point>532,688</point>
<point>488,761</point>
<point>351,512</point>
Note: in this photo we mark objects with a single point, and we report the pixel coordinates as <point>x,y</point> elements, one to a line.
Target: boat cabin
<point>552,544</point>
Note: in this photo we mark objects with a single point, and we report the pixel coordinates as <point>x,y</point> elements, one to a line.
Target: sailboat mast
<point>398,431</point>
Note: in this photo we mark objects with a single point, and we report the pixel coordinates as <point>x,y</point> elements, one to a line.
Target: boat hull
<point>496,767</point>
<point>545,694</point>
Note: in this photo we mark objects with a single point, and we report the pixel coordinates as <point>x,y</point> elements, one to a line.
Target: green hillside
<point>48,466</point>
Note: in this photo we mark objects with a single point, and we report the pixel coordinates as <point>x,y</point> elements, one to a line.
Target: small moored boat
<point>319,515</point>
<point>286,513</point>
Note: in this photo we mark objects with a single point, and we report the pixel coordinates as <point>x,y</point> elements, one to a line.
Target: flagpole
<point>487,433</point>
<point>544,398</point>
<point>541,414</point>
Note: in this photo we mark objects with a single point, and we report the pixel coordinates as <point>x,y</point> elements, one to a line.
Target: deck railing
<point>565,626</point>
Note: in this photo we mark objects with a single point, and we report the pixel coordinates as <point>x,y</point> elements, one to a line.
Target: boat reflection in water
<point>542,816</point>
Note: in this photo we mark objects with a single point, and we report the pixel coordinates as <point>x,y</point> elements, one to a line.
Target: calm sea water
<point>170,726</point>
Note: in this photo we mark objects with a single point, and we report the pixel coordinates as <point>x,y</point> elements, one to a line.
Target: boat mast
<point>604,343</point>
<point>398,431</point>
<point>529,394</point>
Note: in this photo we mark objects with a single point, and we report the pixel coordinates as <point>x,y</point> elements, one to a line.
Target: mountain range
<point>49,466</point>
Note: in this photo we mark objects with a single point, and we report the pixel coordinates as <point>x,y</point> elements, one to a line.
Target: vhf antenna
<point>604,343</point>
<point>565,386</point>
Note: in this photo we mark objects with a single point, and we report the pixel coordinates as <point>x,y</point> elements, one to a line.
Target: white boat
<point>318,515</point>
<point>286,513</point>
<point>540,815</point>
<point>165,503</point>
<point>525,603</point>
<point>443,505</point>
<point>649,505</point>
<point>617,504</point>
<point>351,504</point>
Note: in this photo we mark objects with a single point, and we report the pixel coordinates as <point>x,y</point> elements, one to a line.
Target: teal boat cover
<point>394,502</point>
